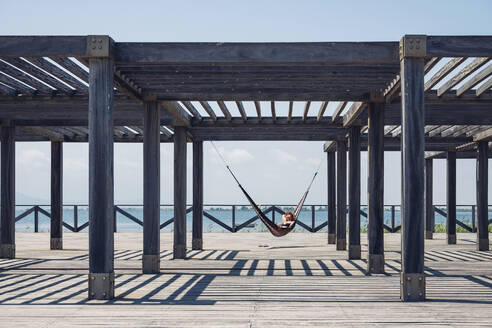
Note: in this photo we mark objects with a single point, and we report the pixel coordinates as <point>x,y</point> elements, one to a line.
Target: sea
<point>221,213</point>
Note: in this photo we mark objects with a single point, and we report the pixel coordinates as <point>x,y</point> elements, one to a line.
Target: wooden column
<point>7,234</point>
<point>332,198</point>
<point>341,195</point>
<point>375,189</point>
<point>151,189</point>
<point>179,192</point>
<point>354,193</point>
<point>56,231</point>
<point>101,198</point>
<point>412,279</point>
<point>429,207</point>
<point>197,238</point>
<point>451,197</point>
<point>482,197</point>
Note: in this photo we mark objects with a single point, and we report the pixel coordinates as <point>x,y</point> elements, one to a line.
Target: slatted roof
<point>245,91</point>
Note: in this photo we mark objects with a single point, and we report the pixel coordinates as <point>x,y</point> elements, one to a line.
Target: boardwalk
<point>244,280</point>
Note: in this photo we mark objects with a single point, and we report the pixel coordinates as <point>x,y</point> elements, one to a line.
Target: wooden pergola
<point>424,93</point>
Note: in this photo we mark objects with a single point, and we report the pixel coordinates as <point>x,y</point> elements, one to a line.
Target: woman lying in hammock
<point>288,220</point>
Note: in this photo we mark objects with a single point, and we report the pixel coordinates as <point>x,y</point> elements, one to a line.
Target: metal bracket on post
<point>413,46</point>
<point>412,286</point>
<point>99,46</point>
<point>101,286</point>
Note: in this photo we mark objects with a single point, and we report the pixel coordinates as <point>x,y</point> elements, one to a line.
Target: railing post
<point>393,218</point>
<point>114,218</point>
<point>273,214</point>
<point>313,218</point>
<point>36,219</point>
<point>233,218</point>
<point>474,229</point>
<point>76,218</point>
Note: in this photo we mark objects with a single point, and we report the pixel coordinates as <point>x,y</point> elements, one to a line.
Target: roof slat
<point>19,87</point>
<point>258,110</point>
<point>192,109</point>
<point>306,110</point>
<point>25,78</point>
<point>338,110</point>
<point>443,72</point>
<point>476,79</point>
<point>72,67</point>
<point>464,73</point>
<point>224,110</point>
<point>322,110</point>
<point>240,107</point>
<point>274,116</point>
<point>209,110</point>
<point>291,108</point>
<point>484,87</point>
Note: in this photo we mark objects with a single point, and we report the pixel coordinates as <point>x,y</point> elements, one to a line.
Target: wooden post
<point>341,223</point>
<point>354,193</point>
<point>56,231</point>
<point>76,218</point>
<point>197,238</point>
<point>451,197</point>
<point>429,208</point>
<point>375,189</point>
<point>482,197</point>
<point>412,278</point>
<point>101,187</point>
<point>151,189</point>
<point>179,192</point>
<point>332,196</point>
<point>7,203</point>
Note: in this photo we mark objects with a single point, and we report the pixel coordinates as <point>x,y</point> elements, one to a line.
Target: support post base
<point>151,263</point>
<point>56,243</point>
<point>332,238</point>
<point>429,235</point>
<point>341,244</point>
<point>354,252</point>
<point>375,263</point>
<point>197,244</point>
<point>451,239</point>
<point>412,287</point>
<point>101,286</point>
<point>483,244</point>
<point>7,251</point>
<point>179,252</point>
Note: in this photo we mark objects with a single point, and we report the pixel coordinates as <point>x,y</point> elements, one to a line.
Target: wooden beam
<point>443,72</point>
<point>291,108</point>
<point>258,110</point>
<point>322,110</point>
<point>463,46</point>
<point>461,75</point>
<point>482,197</point>
<point>241,110</point>
<point>451,197</point>
<point>202,53</point>
<point>429,207</point>
<point>306,110</point>
<point>353,113</point>
<point>72,67</point>
<point>192,109</point>
<point>53,136</point>
<point>476,79</point>
<point>484,87</point>
<point>179,113</point>
<point>413,147</point>
<point>16,85</point>
<point>341,226</point>
<point>197,233</point>
<point>151,189</point>
<point>43,46</point>
<point>354,251</point>
<point>101,180</point>
<point>375,188</point>
<point>209,110</point>
<point>7,197</point>
<point>272,105</point>
<point>25,78</point>
<point>329,146</point>
<point>179,249</point>
<point>338,110</point>
<point>331,204</point>
<point>483,135</point>
<point>224,110</point>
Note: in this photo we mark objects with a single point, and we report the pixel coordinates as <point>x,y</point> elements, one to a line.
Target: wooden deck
<point>244,280</point>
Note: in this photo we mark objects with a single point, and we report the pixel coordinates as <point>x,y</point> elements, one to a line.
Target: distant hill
<point>23,199</point>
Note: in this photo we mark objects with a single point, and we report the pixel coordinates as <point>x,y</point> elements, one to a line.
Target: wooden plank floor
<point>243,280</point>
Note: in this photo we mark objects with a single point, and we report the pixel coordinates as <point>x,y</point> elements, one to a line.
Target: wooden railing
<point>235,226</point>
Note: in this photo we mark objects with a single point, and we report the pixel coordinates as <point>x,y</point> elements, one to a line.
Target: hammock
<point>272,227</point>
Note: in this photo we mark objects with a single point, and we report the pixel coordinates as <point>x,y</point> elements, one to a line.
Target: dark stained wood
<point>224,110</point>
<point>197,233</point>
<point>240,108</point>
<point>16,85</point>
<point>339,110</point>
<point>412,246</point>
<point>481,90</point>
<point>306,110</point>
<point>332,202</point>
<point>179,113</point>
<point>443,72</point>
<point>43,46</point>
<point>151,189</point>
<point>192,109</point>
<point>209,110</point>
<point>482,197</point>
<point>353,113</point>
<point>258,110</point>
<point>451,197</point>
<point>256,53</point>
<point>179,250</point>
<point>25,78</point>
<point>463,46</point>
<point>291,108</point>
<point>462,74</point>
<point>341,226</point>
<point>7,200</point>
<point>272,107</point>
<point>375,188</point>
<point>354,250</point>
<point>56,230</point>
<point>101,180</point>
<point>429,207</point>
<point>476,79</point>
<point>322,110</point>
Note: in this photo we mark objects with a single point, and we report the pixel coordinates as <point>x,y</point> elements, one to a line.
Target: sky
<point>273,172</point>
